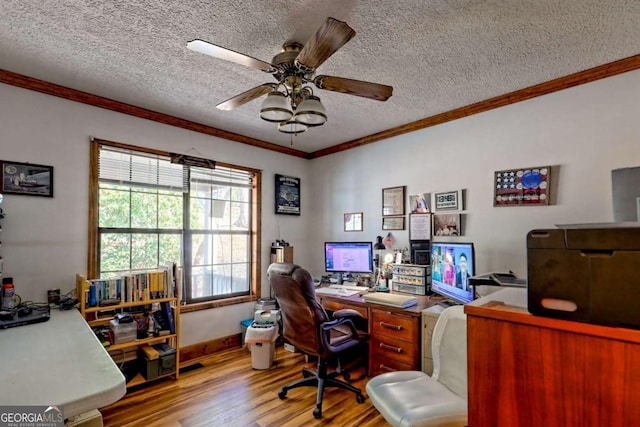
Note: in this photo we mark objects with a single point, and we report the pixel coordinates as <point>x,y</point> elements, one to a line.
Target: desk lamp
<point>379,246</point>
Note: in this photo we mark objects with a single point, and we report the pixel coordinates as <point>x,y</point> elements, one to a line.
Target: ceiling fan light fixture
<point>276,108</point>
<point>292,127</point>
<point>311,112</point>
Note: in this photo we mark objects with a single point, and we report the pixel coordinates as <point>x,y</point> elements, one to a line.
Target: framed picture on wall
<point>393,223</point>
<point>393,201</point>
<point>522,186</point>
<point>287,195</point>
<point>420,226</point>
<point>447,225</point>
<point>27,179</point>
<point>353,221</point>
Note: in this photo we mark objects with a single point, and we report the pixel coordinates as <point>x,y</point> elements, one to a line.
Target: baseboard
<point>195,352</point>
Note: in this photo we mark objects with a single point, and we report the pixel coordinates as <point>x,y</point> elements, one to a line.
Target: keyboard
<point>349,287</point>
<point>339,292</point>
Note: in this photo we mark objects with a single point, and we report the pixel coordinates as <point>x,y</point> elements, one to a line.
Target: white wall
<point>44,240</point>
<point>587,131</point>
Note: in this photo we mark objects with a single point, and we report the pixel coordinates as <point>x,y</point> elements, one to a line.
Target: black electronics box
<point>157,360</point>
<point>420,252</point>
<point>585,274</point>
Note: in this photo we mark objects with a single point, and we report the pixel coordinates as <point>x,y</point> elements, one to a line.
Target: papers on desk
<point>393,300</point>
<point>338,292</point>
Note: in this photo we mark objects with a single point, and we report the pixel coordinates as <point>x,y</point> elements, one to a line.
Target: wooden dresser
<point>531,371</point>
<point>394,333</point>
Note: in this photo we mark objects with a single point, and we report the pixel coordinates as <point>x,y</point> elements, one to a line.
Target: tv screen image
<point>451,266</point>
<point>348,257</point>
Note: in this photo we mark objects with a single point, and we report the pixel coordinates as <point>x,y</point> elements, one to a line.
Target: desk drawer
<point>393,325</point>
<point>382,365</point>
<point>395,349</point>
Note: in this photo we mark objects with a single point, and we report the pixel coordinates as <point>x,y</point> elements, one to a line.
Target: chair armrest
<point>346,312</point>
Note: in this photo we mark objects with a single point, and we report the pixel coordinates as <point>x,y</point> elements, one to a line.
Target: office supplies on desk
<point>393,300</point>
<point>24,315</point>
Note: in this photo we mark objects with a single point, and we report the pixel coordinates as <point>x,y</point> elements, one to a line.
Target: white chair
<point>413,398</point>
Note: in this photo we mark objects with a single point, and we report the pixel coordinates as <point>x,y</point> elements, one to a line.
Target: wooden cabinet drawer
<point>392,348</point>
<point>394,325</point>
<point>382,365</point>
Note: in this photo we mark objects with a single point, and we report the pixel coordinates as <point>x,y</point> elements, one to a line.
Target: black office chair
<point>307,326</point>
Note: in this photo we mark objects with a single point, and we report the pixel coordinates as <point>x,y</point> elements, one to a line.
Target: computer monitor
<point>451,266</point>
<point>348,257</point>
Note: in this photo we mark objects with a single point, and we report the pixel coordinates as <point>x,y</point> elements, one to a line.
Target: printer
<point>585,273</point>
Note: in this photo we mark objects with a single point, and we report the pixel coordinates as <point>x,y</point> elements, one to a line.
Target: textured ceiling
<point>438,55</point>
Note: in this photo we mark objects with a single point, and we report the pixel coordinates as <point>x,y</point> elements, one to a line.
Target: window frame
<point>255,235</point>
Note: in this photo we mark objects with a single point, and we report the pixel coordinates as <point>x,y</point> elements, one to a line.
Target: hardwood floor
<point>227,391</point>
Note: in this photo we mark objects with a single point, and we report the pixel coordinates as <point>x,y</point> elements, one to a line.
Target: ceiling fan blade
<point>354,87</point>
<point>327,40</point>
<point>245,97</point>
<point>220,52</point>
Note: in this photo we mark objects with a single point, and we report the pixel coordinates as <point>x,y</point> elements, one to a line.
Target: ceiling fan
<point>289,102</point>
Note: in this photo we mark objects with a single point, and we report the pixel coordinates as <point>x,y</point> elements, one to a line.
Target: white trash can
<point>261,339</point>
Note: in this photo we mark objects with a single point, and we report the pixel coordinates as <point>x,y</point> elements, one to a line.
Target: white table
<point>58,362</point>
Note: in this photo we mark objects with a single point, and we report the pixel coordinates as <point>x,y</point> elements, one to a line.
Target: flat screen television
<point>451,266</point>
<point>348,257</point>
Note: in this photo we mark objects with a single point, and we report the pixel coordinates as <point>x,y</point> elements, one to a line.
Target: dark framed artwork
<point>393,223</point>
<point>26,179</point>
<point>393,201</point>
<point>522,187</point>
<point>287,195</point>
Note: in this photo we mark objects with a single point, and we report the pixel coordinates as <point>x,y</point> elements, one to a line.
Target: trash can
<point>244,325</point>
<point>261,339</point>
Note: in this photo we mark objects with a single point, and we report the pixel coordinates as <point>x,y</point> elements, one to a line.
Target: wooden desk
<point>526,370</point>
<point>394,333</point>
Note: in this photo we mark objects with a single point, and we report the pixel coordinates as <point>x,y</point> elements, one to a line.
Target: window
<point>148,211</point>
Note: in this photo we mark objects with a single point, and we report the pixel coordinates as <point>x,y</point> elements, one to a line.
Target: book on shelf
<point>133,287</point>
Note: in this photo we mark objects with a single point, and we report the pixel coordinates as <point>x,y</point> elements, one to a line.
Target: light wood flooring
<point>227,391</point>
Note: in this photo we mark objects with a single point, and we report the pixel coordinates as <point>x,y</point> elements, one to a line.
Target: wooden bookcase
<point>281,254</point>
<point>102,315</point>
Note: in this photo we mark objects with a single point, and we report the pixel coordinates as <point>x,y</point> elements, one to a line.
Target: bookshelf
<point>281,254</point>
<point>133,295</point>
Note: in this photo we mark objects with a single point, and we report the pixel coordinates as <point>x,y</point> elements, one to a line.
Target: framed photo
<point>447,225</point>
<point>353,221</point>
<point>522,187</point>
<point>449,201</point>
<point>420,226</point>
<point>393,223</point>
<point>287,195</point>
<point>393,201</point>
<point>27,179</point>
<point>420,203</point>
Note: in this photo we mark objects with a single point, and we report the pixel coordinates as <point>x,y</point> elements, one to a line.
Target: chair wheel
<point>282,394</point>
<point>359,398</point>
<point>317,413</point>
